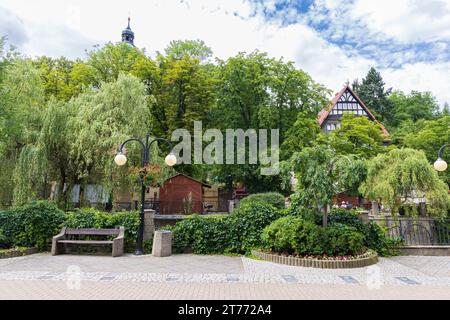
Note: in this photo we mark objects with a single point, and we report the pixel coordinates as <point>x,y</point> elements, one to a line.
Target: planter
<point>17,253</point>
<point>316,263</point>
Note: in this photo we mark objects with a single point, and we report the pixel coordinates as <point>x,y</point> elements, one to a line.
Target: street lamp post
<point>121,159</point>
<point>440,164</point>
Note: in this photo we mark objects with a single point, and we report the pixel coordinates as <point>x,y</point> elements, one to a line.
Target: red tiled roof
<point>325,112</point>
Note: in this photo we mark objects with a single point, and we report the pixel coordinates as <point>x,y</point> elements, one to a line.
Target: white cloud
<point>421,77</point>
<point>68,27</point>
<point>405,20</point>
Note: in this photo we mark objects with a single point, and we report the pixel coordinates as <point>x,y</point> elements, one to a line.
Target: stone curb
<point>18,253</point>
<point>314,263</point>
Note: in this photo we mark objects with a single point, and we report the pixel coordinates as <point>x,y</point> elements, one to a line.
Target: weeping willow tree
<point>22,104</point>
<point>55,141</point>
<point>105,118</point>
<point>396,178</point>
<point>29,175</point>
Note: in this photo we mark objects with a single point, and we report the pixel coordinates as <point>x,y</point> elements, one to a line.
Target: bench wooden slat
<point>85,241</point>
<point>99,232</point>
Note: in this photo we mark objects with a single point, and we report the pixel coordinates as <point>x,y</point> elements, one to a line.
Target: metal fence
<point>177,207</point>
<point>417,231</point>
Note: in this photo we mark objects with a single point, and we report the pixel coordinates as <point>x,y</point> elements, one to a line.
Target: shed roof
<point>193,179</point>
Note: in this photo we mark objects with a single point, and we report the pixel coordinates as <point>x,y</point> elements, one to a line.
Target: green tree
<point>372,92</point>
<point>258,92</point>
<point>186,93</point>
<point>359,136</point>
<point>321,174</point>
<point>414,106</point>
<point>21,112</point>
<point>305,132</point>
<point>255,91</point>
<point>112,59</point>
<point>429,136</point>
<point>195,49</point>
<point>56,141</point>
<point>445,110</point>
<point>55,75</point>
<point>104,119</point>
<point>394,179</point>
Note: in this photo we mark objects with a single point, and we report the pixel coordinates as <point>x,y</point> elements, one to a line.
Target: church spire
<point>128,34</point>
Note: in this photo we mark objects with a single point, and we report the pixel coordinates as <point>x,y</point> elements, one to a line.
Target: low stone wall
<point>315,263</point>
<point>424,250</point>
<point>18,253</point>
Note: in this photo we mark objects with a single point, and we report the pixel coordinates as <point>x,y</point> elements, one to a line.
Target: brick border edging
<point>315,263</point>
<point>18,253</point>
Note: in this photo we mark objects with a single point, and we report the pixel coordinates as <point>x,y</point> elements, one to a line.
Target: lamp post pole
<point>121,160</point>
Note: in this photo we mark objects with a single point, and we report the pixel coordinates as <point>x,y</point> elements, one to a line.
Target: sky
<point>335,41</point>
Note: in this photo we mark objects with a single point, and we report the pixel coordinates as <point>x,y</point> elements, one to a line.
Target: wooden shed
<point>181,194</point>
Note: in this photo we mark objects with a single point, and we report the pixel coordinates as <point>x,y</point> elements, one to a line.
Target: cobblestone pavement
<point>42,276</point>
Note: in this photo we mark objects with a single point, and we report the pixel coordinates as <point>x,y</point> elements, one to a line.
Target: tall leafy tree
<point>185,93</point>
<point>429,136</point>
<point>321,174</point>
<point>372,92</point>
<point>414,106</point>
<point>359,136</point>
<point>305,132</point>
<point>195,49</point>
<point>258,92</point>
<point>113,59</point>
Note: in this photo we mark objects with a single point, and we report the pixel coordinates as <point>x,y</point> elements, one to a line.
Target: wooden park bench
<point>61,240</point>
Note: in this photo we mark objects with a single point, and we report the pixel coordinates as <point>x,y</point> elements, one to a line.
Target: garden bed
<point>364,260</point>
<point>17,252</point>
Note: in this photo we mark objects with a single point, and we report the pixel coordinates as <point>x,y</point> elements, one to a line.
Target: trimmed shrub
<point>273,198</point>
<point>374,235</point>
<point>33,224</point>
<point>342,240</point>
<point>4,241</point>
<point>293,235</point>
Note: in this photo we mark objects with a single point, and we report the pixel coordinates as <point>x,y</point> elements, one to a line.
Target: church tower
<point>128,35</point>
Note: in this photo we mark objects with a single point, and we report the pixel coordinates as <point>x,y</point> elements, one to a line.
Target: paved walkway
<point>42,276</point>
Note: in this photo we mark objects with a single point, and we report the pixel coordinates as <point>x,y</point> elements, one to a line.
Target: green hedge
<point>92,218</point>
<point>36,223</point>
<point>238,232</point>
<point>273,198</point>
<point>31,225</point>
<point>204,235</point>
<point>246,224</point>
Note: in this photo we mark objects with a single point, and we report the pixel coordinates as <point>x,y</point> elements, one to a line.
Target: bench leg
<point>117,248</point>
<point>57,248</point>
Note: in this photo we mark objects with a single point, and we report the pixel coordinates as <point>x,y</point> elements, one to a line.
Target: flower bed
<point>17,252</point>
<point>324,262</point>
